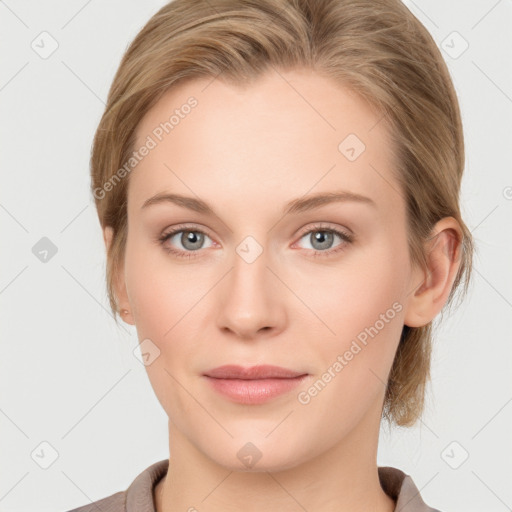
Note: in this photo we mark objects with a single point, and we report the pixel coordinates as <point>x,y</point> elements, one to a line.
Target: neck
<point>344,478</point>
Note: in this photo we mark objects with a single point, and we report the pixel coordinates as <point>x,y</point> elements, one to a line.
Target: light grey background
<point>68,375</point>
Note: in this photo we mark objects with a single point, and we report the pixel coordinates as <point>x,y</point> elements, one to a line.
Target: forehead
<point>283,135</point>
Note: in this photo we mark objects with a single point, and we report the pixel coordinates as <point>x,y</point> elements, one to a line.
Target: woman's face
<point>265,274</point>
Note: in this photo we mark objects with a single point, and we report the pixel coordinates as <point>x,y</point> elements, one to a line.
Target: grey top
<point>139,495</point>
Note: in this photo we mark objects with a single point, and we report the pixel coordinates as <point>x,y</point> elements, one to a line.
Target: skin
<point>247,152</point>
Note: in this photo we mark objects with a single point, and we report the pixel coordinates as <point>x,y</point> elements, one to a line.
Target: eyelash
<point>346,238</point>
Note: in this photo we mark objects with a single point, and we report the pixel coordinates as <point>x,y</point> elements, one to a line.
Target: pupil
<point>324,238</point>
<point>191,237</point>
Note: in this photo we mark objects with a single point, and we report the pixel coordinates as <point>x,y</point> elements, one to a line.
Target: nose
<point>251,301</point>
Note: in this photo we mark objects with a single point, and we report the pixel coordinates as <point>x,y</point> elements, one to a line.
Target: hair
<point>377,49</point>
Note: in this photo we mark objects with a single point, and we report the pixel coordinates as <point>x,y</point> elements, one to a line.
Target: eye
<point>190,239</point>
<point>321,240</point>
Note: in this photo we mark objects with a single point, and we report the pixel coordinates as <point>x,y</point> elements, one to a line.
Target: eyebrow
<point>298,205</point>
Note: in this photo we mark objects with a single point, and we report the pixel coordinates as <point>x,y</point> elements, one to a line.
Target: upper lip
<point>230,371</point>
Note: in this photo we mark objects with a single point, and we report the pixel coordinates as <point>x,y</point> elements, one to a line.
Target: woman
<point>278,186</point>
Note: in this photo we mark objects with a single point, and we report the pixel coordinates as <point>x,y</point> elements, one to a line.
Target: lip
<point>253,385</point>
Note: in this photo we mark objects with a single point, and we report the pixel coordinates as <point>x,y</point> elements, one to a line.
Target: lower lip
<point>255,391</point>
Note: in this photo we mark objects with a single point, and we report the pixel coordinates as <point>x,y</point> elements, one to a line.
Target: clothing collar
<point>395,483</point>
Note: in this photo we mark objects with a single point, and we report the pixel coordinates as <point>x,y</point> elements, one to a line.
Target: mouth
<point>253,385</point>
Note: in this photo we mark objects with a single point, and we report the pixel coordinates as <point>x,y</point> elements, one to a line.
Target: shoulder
<point>114,503</point>
<point>401,487</point>
<point>138,496</point>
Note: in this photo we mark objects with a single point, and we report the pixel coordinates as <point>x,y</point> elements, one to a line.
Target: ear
<point>430,289</point>
<point>119,281</point>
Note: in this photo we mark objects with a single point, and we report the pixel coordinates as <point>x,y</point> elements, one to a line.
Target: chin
<point>256,456</point>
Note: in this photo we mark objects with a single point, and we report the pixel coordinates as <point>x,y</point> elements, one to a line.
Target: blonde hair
<point>378,49</point>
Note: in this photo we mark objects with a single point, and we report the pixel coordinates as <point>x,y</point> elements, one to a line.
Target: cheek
<point>164,303</point>
<point>364,308</point>
<point>159,292</point>
<point>169,308</point>
<point>365,290</point>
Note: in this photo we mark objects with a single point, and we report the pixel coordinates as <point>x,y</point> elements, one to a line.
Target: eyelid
<point>185,227</point>
<point>169,233</point>
<point>346,235</point>
<point>347,238</point>
<point>320,226</point>
<point>316,226</point>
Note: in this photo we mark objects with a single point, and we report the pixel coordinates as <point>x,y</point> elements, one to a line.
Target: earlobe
<point>126,316</point>
<point>427,298</point>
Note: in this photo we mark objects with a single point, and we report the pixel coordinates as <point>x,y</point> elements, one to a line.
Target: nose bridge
<point>251,299</point>
<point>250,266</point>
